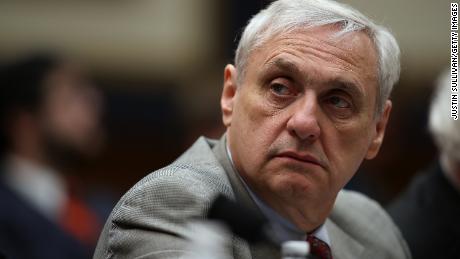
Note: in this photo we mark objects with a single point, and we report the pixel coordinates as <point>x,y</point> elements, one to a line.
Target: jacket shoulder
<point>152,217</point>
<point>367,222</point>
<point>175,187</point>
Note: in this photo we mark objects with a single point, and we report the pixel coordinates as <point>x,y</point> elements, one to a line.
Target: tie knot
<point>319,248</point>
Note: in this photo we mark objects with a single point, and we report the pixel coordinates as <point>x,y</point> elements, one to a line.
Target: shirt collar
<point>40,186</point>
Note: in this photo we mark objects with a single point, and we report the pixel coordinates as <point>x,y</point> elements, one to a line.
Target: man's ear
<point>379,131</point>
<point>228,94</point>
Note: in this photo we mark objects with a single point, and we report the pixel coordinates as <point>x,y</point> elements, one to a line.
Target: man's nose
<point>303,122</point>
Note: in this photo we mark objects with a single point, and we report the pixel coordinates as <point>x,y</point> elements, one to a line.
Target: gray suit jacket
<point>150,219</point>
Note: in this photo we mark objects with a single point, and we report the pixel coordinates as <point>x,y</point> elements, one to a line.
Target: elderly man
<point>428,211</point>
<point>304,104</point>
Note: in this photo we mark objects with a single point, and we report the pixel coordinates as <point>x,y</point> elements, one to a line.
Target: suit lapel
<point>242,196</point>
<point>241,193</point>
<point>343,245</point>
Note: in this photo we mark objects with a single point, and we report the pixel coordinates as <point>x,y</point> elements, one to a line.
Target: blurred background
<point>159,65</point>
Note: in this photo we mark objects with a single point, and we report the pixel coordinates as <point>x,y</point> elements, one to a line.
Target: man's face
<point>302,120</point>
<point>71,116</point>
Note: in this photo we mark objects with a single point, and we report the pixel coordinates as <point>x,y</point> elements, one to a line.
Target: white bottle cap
<point>295,249</point>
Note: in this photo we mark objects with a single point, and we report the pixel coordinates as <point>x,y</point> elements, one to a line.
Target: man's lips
<point>301,157</point>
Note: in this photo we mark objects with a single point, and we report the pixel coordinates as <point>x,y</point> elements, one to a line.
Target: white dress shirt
<point>41,187</point>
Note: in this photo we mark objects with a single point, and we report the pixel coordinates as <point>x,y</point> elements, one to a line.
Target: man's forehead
<point>353,51</point>
<point>330,38</point>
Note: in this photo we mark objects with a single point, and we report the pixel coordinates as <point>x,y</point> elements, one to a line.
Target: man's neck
<point>30,153</point>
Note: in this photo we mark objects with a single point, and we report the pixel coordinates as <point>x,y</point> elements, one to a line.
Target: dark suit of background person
<point>301,113</point>
<point>50,124</point>
<point>428,212</point>
<point>25,233</point>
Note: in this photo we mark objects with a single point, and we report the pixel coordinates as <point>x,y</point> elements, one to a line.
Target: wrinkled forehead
<point>351,43</point>
<point>355,50</point>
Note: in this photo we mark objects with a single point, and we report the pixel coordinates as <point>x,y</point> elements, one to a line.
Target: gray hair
<point>445,130</point>
<point>286,15</point>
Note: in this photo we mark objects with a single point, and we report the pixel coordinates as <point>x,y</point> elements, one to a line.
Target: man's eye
<point>280,89</point>
<point>339,102</point>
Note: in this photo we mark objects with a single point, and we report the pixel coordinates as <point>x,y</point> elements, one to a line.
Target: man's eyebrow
<point>284,65</point>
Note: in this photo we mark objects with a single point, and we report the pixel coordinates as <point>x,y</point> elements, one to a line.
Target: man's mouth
<point>301,157</point>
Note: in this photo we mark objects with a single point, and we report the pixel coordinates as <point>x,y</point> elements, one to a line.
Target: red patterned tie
<point>319,248</point>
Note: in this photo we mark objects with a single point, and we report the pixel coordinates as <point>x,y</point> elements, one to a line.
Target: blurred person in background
<point>50,127</point>
<point>428,212</point>
<point>305,103</point>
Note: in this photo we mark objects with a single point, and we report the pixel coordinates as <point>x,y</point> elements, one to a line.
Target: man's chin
<point>301,202</point>
<point>294,186</point>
